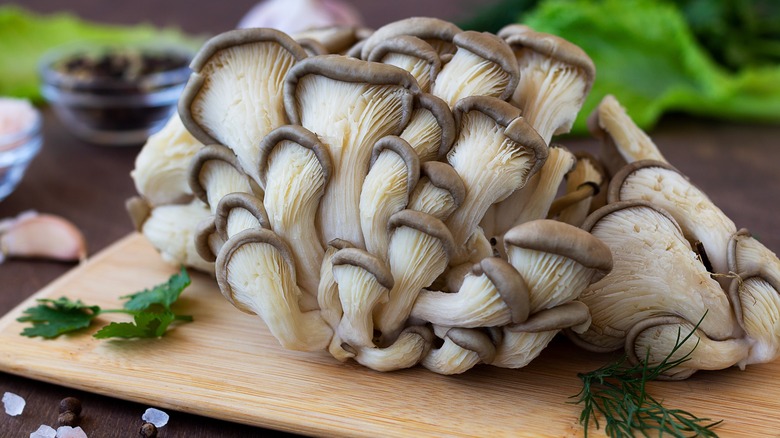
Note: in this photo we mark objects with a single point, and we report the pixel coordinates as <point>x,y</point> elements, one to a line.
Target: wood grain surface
<point>227,365</point>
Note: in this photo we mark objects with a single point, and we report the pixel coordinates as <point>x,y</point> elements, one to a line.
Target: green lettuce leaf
<point>25,37</point>
<point>646,55</point>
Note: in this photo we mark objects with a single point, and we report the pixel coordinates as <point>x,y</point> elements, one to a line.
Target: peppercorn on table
<point>736,165</point>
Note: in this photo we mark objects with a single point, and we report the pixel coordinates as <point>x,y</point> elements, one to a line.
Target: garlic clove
<point>33,235</point>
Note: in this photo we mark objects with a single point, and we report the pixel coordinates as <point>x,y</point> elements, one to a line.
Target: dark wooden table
<point>738,165</point>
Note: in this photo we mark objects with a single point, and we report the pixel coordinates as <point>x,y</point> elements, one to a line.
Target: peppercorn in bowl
<point>114,95</point>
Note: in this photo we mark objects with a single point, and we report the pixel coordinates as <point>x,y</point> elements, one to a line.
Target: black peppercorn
<point>68,418</point>
<point>148,430</point>
<point>71,404</point>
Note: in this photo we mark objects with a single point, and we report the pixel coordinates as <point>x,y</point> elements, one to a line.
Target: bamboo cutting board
<point>227,365</point>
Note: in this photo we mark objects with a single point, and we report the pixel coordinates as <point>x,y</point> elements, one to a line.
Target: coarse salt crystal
<point>156,417</point>
<point>44,432</point>
<point>14,405</point>
<point>16,115</point>
<point>70,432</point>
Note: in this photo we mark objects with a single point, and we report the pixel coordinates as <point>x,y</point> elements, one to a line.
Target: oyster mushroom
<point>214,173</point>
<point>411,54</point>
<point>256,273</point>
<point>419,251</point>
<point>699,219</point>
<point>171,229</point>
<point>556,260</point>
<point>160,173</point>
<point>236,212</point>
<point>437,33</point>
<point>483,65</point>
<point>655,273</point>
<point>412,344</point>
<point>495,154</point>
<point>651,341</point>
<point>328,292</point>
<point>334,39</point>
<point>583,184</point>
<point>395,170</point>
<point>521,343</point>
<point>461,350</point>
<point>363,283</point>
<point>494,294</point>
<point>294,170</point>
<point>234,95</point>
<point>439,191</point>
<point>555,78</point>
<point>349,104</point>
<point>536,198</point>
<point>622,142</point>
<point>431,129</point>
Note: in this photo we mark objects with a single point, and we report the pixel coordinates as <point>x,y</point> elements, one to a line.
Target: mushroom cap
<point>299,135</point>
<point>509,117</point>
<point>424,223</point>
<point>334,39</point>
<point>312,46</point>
<point>443,115</point>
<point>256,235</point>
<point>407,154</point>
<point>220,42</point>
<point>509,284</point>
<point>494,49</point>
<point>473,340</point>
<point>563,239</point>
<point>617,181</point>
<point>518,35</point>
<point>443,176</point>
<point>561,317</point>
<point>367,261</point>
<point>410,46</point>
<point>239,200</point>
<point>203,233</point>
<point>345,69</point>
<point>210,152</point>
<point>425,28</point>
<point>138,210</point>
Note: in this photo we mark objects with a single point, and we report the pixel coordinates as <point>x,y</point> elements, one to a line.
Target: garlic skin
<point>291,16</point>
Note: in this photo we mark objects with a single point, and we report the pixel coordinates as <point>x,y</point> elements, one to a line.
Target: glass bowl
<point>114,95</point>
<point>17,150</point>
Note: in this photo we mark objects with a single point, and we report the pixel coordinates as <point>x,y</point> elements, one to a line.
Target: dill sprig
<point>618,392</point>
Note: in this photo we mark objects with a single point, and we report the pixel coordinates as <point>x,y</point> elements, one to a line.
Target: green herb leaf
<point>618,392</point>
<point>162,295</point>
<point>52,318</point>
<point>144,325</point>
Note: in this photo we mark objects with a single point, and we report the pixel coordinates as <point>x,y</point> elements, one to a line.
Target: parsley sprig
<point>618,392</point>
<point>150,308</point>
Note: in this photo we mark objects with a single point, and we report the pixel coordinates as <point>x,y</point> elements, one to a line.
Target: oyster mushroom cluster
<point>680,264</point>
<point>383,195</point>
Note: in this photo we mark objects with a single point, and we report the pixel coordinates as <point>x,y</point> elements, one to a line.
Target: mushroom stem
<point>518,349</point>
<point>256,272</point>
<point>583,183</point>
<point>328,291</point>
<point>460,351</point>
<point>408,349</point>
<point>171,229</point>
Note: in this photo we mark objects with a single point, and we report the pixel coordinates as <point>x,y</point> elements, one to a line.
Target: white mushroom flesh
<point>219,178</point>
<point>348,118</point>
<point>423,133</point>
<point>416,259</point>
<point>584,171</point>
<point>385,191</point>
<point>405,352</point>
<point>295,183</point>
<point>450,359</point>
<point>359,293</point>
<point>698,217</point>
<point>491,166</point>
<point>552,279</point>
<point>240,219</point>
<point>476,304</point>
<point>418,67</point>
<point>162,167</point>
<point>468,74</point>
<point>171,229</point>
<point>433,200</point>
<point>261,280</point>
<point>655,273</point>
<point>550,93</point>
<point>760,304</point>
<point>518,349</point>
<point>631,142</point>
<point>241,97</point>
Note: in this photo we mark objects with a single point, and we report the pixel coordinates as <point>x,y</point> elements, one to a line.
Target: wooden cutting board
<point>227,365</point>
